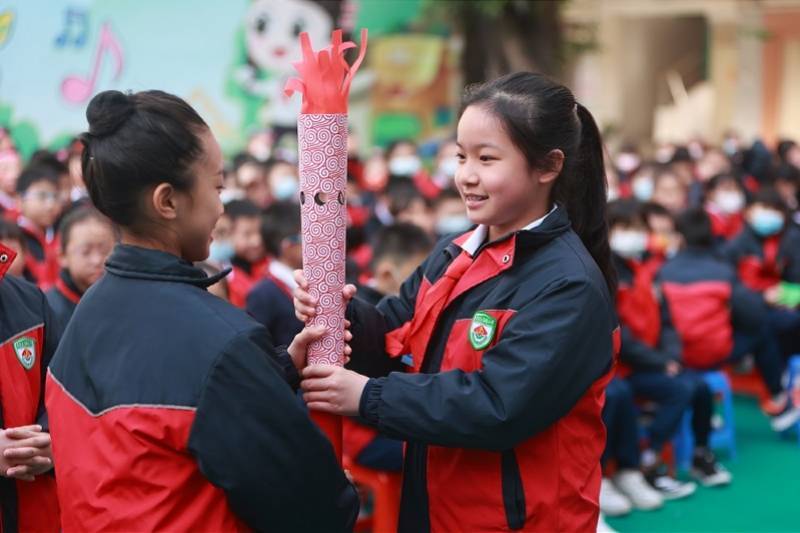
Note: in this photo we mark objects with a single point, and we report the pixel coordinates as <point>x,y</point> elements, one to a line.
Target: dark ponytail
<point>541,115</point>
<point>584,192</point>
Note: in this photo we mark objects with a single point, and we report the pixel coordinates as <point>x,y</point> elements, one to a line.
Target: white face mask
<point>285,188</point>
<point>630,244</point>
<point>643,189</point>
<point>449,166</point>
<point>627,162</point>
<point>404,165</point>
<point>729,202</point>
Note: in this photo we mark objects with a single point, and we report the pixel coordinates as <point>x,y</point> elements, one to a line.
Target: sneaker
<point>669,487</point>
<point>612,501</point>
<point>633,485</point>
<point>786,419</point>
<point>602,527</point>
<point>708,471</point>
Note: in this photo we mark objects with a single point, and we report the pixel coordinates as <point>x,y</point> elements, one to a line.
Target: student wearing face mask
<point>446,164</point>
<point>641,183</point>
<point>766,255</point>
<point>284,185</point>
<point>717,318</point>
<point>650,351</point>
<point>404,162</point>
<point>450,213</point>
<point>725,202</point>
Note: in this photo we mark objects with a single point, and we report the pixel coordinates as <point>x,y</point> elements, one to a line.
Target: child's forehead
<point>43,184</point>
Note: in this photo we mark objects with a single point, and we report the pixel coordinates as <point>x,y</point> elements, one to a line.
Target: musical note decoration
<point>76,28</point>
<point>77,89</point>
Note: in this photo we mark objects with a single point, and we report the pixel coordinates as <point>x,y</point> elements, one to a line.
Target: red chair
<point>385,489</point>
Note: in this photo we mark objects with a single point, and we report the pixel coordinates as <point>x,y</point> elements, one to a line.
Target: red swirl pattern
<point>323,168</point>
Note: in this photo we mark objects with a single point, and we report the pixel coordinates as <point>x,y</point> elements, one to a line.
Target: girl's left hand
<point>333,389</point>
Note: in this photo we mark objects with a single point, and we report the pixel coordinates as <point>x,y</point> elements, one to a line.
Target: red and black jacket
<point>64,297</point>
<point>41,256</point>
<point>501,403</point>
<point>724,226</point>
<point>29,334</point>
<point>764,262</point>
<point>170,410</point>
<point>648,340</point>
<point>243,278</point>
<point>706,301</point>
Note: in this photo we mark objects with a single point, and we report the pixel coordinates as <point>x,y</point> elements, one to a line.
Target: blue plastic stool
<point>720,438</point>
<point>794,385</point>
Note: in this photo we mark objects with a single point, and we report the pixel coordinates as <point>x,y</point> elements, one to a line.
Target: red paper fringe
<point>325,76</point>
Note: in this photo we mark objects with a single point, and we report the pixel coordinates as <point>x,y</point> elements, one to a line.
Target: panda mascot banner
<point>324,81</point>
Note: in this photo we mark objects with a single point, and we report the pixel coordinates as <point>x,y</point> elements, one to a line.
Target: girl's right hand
<point>305,305</point>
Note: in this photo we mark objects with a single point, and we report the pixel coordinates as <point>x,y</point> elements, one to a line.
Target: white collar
<point>480,233</point>
<point>282,273</point>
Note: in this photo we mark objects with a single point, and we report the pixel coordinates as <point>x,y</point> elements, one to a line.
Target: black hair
<point>11,232</point>
<point>241,159</point>
<point>721,179</point>
<point>392,146</point>
<point>541,115</point>
<point>450,193</point>
<point>36,173</point>
<point>681,155</point>
<point>236,209</point>
<point>78,216</point>
<point>783,148</point>
<point>625,212</point>
<point>399,242</point>
<point>135,142</point>
<point>769,197</point>
<point>401,193</point>
<point>48,159</point>
<point>654,209</point>
<point>662,170</point>
<point>695,226</point>
<point>281,220</point>
<point>788,172</point>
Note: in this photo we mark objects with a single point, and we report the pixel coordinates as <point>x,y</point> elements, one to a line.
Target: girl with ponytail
<point>492,362</point>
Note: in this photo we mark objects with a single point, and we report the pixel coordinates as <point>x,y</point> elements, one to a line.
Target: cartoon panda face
<point>272,29</point>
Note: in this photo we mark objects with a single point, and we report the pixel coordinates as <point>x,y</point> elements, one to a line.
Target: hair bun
<point>107,111</point>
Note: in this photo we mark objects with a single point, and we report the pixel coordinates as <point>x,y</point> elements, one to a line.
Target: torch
<point>324,81</point>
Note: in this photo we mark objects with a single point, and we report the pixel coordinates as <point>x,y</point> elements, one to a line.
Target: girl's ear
<point>164,201</point>
<point>555,163</point>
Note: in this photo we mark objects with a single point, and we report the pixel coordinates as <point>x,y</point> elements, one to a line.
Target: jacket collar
<point>145,263</point>
<point>535,235</point>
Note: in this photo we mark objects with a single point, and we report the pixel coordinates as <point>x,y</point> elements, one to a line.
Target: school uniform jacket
<point>502,400</point>
<point>64,297</point>
<point>41,256</point>
<point>170,410</point>
<point>763,262</point>
<point>29,335</point>
<point>705,301</point>
<point>649,341</point>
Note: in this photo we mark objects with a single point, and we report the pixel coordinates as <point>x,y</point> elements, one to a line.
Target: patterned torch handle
<point>323,180</point>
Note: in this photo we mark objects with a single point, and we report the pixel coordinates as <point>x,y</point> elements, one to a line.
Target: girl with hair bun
<point>169,408</point>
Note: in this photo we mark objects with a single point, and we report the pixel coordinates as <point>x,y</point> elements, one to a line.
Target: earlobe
<point>165,202</point>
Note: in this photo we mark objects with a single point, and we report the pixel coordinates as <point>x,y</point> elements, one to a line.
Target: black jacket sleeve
<point>253,438</point>
<point>533,376</point>
<point>640,356</point>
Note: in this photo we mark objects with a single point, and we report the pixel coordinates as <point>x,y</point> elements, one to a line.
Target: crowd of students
<point>705,243</point>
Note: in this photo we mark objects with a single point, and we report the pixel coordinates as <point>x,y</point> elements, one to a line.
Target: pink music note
<point>78,89</point>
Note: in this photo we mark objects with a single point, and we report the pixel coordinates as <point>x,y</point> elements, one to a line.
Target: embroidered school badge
<point>482,330</point>
<point>25,348</point>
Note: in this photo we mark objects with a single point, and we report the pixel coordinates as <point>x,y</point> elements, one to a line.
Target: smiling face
<point>498,186</point>
<point>272,29</point>
<point>200,214</point>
